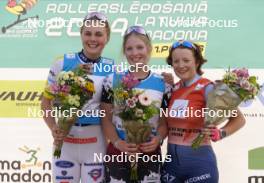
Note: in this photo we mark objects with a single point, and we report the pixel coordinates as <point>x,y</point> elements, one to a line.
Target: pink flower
<point>55,88</point>
<point>243,73</point>
<point>65,89</point>
<point>135,99</point>
<point>245,84</point>
<point>130,103</point>
<point>11,3</point>
<point>129,81</point>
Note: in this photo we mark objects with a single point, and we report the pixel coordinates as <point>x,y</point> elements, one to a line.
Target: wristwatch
<point>222,133</point>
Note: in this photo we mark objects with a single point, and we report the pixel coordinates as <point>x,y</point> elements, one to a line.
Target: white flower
<point>81,81</point>
<point>74,100</point>
<point>60,76</point>
<point>245,84</point>
<point>139,113</point>
<point>77,104</point>
<point>62,82</point>
<point>71,73</point>
<point>130,103</point>
<point>144,99</point>
<point>65,76</point>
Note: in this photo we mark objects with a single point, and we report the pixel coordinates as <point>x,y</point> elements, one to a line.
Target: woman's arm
<point>234,123</point>
<point>46,106</point>
<point>57,134</point>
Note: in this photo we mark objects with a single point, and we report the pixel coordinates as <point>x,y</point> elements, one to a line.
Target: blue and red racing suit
<point>85,140</point>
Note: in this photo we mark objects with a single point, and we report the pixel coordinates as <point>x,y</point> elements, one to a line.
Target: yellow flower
<point>90,87</point>
<point>125,94</point>
<point>120,94</point>
<point>61,94</point>
<point>48,95</point>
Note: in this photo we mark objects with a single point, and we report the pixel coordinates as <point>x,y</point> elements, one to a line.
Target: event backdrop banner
<point>33,36</point>
<point>231,29</point>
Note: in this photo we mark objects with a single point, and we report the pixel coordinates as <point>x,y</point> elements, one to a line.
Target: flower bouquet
<point>235,87</point>
<point>69,93</point>
<point>135,108</point>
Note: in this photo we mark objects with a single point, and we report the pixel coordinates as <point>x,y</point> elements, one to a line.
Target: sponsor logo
<point>29,169</point>
<point>168,178</point>
<point>256,159</point>
<point>17,97</point>
<point>64,164</point>
<point>256,179</point>
<point>64,176</point>
<point>95,173</point>
<point>180,107</point>
<point>32,158</point>
<point>161,50</point>
<point>70,55</point>
<point>19,9</point>
<point>107,61</point>
<point>256,162</point>
<point>93,164</point>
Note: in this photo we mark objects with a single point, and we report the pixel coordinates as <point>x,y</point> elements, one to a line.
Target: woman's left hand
<point>150,146</point>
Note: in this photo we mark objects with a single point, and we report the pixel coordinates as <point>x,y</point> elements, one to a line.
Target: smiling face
<point>136,50</point>
<point>94,39</point>
<point>184,64</point>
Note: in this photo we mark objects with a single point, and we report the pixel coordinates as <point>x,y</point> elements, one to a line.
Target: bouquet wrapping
<point>135,109</point>
<point>235,87</point>
<point>69,93</point>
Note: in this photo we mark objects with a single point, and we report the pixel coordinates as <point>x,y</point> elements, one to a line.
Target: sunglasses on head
<point>186,44</point>
<point>98,15</point>
<point>137,29</point>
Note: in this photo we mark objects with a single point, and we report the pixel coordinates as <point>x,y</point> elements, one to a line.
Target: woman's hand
<point>123,146</point>
<point>88,68</point>
<point>58,134</point>
<point>212,132</point>
<point>168,78</point>
<point>150,146</point>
